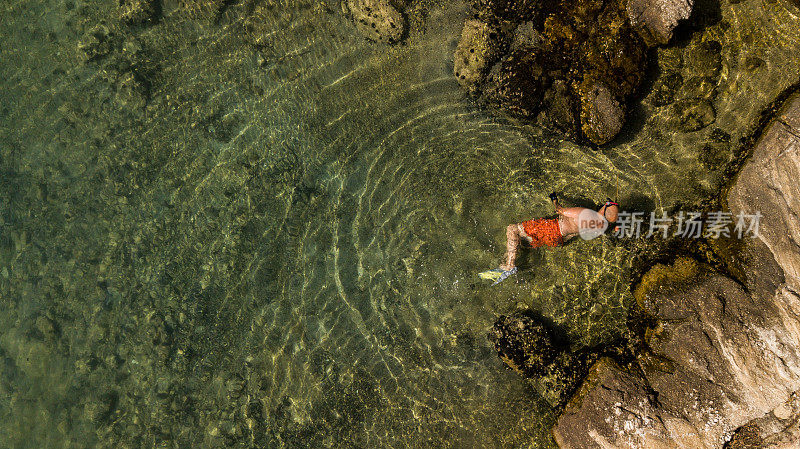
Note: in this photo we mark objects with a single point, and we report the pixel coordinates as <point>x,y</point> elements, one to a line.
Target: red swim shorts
<point>543,232</point>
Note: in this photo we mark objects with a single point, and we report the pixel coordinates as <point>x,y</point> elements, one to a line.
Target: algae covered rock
<point>132,91</point>
<point>476,51</point>
<point>602,116</point>
<point>545,53</point>
<point>516,85</point>
<point>378,20</point>
<point>138,11</point>
<point>95,43</point>
<point>527,344</point>
<point>524,344</point>
<point>665,89</point>
<point>558,109</point>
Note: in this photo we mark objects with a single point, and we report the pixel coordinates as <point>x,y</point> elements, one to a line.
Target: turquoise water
<point>255,228</point>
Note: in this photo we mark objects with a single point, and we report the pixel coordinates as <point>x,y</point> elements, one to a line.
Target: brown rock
<point>724,354</point>
<point>378,20</point>
<point>602,116</point>
<point>656,19</point>
<point>476,51</point>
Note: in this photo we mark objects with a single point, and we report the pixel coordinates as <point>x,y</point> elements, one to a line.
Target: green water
<point>277,246</point>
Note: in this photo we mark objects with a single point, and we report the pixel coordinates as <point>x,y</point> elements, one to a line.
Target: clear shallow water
<point>280,249</point>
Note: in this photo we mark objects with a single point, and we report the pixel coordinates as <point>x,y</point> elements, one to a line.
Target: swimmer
<point>553,232</point>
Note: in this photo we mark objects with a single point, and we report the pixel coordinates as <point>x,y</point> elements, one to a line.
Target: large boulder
<point>656,19</point>
<point>725,353</point>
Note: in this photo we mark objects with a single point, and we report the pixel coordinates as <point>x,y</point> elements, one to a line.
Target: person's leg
<point>513,240</point>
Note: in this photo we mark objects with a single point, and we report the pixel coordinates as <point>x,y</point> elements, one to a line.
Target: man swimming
<point>553,232</point>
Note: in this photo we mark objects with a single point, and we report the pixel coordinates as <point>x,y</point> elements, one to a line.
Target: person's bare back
<point>554,232</point>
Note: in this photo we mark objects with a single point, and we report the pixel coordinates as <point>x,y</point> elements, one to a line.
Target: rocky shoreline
<point>549,62</point>
<point>722,363</point>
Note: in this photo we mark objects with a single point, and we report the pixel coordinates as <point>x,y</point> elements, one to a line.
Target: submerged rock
<point>132,91</point>
<point>703,59</point>
<point>524,344</point>
<point>47,328</point>
<point>138,11</point>
<point>378,20</point>
<point>95,43</point>
<point>693,115</point>
<point>666,89</point>
<point>689,84</point>
<point>716,152</point>
<point>570,65</point>
<point>602,116</point>
<point>527,345</point>
<point>476,51</point>
<point>515,85</point>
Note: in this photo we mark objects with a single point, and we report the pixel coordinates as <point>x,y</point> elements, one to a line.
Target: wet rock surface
<point>378,20</point>
<point>723,361</point>
<point>688,84</point>
<point>555,65</point>
<point>533,348</point>
<point>475,53</point>
<point>656,19</point>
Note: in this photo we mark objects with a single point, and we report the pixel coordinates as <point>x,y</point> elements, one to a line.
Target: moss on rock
<point>556,65</point>
<point>138,11</point>
<point>683,269</point>
<point>378,20</point>
<point>476,51</point>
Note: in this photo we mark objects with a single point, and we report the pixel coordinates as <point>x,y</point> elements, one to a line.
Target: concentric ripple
<point>281,248</point>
